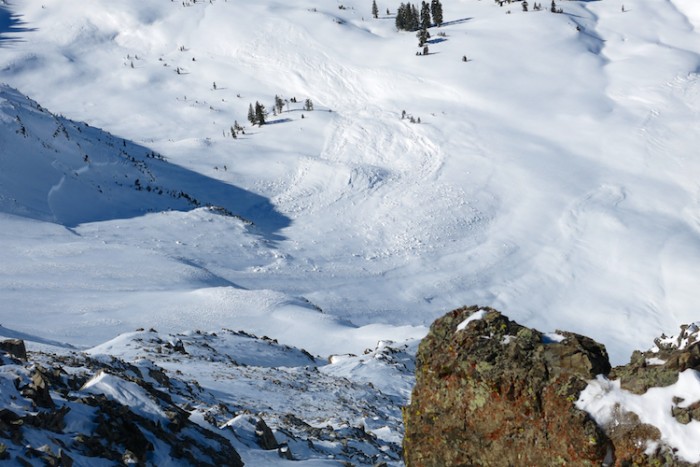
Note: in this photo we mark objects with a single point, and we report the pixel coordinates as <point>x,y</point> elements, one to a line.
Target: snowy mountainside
<point>540,163</point>
<point>556,159</point>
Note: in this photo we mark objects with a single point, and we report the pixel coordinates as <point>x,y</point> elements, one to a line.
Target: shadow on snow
<point>10,24</point>
<point>84,174</point>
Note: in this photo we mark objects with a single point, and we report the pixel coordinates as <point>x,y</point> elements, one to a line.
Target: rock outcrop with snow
<point>492,392</point>
<point>200,398</point>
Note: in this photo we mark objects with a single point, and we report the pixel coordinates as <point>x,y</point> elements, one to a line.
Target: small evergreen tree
<point>279,104</point>
<point>251,114</point>
<point>260,113</point>
<point>423,36</point>
<point>308,105</point>
<point>414,19</point>
<point>375,9</point>
<point>553,8</point>
<point>401,17</point>
<point>425,21</point>
<point>524,5</point>
<point>436,11</point>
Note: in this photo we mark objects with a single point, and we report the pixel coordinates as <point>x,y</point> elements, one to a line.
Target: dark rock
<point>49,420</point>
<point>65,459</point>
<point>498,393</point>
<point>284,452</point>
<point>14,347</point>
<point>265,436</point>
<point>38,389</point>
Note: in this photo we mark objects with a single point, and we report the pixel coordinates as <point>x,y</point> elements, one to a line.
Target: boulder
<point>38,389</point>
<point>492,392</point>
<point>14,347</point>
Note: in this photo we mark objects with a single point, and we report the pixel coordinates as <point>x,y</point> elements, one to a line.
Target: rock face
<point>492,392</point>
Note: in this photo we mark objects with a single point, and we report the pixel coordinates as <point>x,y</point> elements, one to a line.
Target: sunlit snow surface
<point>554,175</point>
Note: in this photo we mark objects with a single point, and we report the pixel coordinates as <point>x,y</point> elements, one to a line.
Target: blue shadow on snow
<point>10,24</point>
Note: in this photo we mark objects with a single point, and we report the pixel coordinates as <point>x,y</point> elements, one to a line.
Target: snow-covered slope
<point>553,174</point>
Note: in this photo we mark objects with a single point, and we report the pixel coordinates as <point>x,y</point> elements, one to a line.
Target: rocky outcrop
<point>148,398</point>
<point>660,365</point>
<point>45,417</point>
<point>492,392</point>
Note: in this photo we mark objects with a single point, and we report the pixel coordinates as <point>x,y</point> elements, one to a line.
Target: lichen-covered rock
<point>492,392</point>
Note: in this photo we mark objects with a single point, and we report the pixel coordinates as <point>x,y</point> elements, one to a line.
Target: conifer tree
<point>415,19</point>
<point>436,10</point>
<point>407,18</point>
<point>401,17</point>
<point>425,21</point>
<point>251,114</point>
<point>279,104</point>
<point>375,9</point>
<point>423,36</point>
<point>260,113</point>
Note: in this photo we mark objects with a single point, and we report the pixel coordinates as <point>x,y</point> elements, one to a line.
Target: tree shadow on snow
<point>11,24</point>
<point>279,120</point>
<point>456,21</point>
